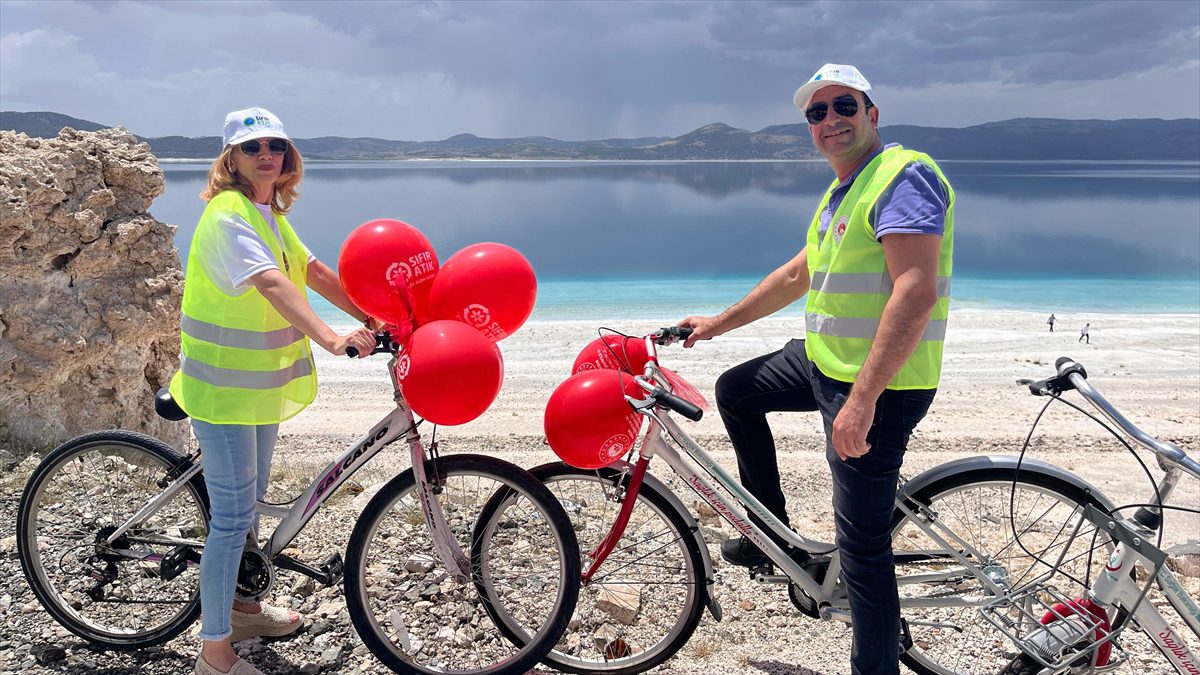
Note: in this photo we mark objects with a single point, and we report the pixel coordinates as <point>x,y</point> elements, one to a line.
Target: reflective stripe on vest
<point>241,361</point>
<point>244,379</point>
<point>850,327</point>
<point>865,283</point>
<point>850,284</point>
<point>237,337</point>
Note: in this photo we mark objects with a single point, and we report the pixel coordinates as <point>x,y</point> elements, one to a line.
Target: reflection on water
<point>600,219</point>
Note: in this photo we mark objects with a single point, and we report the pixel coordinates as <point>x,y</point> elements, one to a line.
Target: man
<point>1051,321</point>
<point>1083,334</point>
<point>876,269</point>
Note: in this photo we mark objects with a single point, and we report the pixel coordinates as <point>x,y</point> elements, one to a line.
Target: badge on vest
<point>839,229</point>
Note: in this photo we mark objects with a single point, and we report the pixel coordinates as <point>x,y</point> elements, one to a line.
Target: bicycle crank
<point>256,576</point>
<point>816,568</point>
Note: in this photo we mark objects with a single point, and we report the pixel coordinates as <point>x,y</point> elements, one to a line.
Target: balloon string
<point>406,325</point>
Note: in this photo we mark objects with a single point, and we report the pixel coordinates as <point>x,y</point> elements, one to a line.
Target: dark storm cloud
<point>424,70</point>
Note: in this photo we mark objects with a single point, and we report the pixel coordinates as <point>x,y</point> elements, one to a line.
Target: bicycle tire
<point>648,597</point>
<point>414,617</point>
<point>958,640</point>
<point>91,483</point>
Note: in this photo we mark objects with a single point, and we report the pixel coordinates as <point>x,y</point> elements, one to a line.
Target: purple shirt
<point>915,202</point>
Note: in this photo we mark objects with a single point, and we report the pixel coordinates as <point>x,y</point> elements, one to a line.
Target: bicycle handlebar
<point>666,336</point>
<point>685,408</point>
<point>659,394</point>
<point>1071,375</point>
<point>384,344</point>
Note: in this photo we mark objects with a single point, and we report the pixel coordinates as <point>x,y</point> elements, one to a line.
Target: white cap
<point>830,73</point>
<point>252,123</point>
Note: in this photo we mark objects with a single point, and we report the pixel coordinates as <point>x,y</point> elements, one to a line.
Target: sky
<point>588,70</point>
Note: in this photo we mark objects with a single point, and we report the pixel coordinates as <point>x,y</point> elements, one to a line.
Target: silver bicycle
<point>1063,632</point>
<point>112,525</point>
<point>648,576</point>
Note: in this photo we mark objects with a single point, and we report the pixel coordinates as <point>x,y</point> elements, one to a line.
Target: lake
<point>612,239</point>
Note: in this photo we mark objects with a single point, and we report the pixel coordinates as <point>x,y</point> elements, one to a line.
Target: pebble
<point>770,636</point>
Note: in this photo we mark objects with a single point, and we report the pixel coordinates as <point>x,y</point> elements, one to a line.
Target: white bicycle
<point>112,524</point>
<point>1063,632</point>
<point>970,537</point>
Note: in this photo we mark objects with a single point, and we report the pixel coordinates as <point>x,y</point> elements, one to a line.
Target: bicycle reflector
<point>588,423</point>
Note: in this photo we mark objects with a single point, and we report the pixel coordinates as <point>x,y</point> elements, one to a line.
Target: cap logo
<point>817,77</point>
<point>249,121</point>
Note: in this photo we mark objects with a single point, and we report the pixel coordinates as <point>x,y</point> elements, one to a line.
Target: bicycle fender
<point>710,600</point>
<point>1004,462</point>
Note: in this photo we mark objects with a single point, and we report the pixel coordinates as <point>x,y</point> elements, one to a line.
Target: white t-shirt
<point>237,253</point>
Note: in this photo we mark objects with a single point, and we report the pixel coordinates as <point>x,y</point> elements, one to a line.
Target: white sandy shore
<point>1147,365</point>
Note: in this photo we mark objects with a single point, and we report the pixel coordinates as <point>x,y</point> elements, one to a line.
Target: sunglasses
<point>277,146</point>
<point>845,106</point>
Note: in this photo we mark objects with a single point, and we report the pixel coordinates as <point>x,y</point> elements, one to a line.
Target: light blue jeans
<point>237,468</point>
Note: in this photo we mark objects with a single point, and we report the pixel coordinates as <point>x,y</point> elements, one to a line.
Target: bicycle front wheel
<point>647,598</point>
<point>416,617</point>
<point>120,595</point>
<point>1020,524</point>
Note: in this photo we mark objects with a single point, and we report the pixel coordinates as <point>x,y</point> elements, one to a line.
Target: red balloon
<point>489,286</point>
<point>387,268</point>
<point>588,423</point>
<point>613,352</point>
<point>449,372</point>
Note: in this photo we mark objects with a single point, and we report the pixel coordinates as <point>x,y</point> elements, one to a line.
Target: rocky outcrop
<point>90,286</point>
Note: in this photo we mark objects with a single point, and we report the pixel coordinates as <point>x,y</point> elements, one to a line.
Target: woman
<point>246,364</point>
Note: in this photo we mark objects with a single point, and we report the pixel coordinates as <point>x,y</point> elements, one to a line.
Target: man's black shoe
<point>742,552</point>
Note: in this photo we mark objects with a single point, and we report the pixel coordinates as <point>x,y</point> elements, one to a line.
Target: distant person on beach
<point>1083,335</point>
<point>246,364</point>
<point>876,268</point>
<point>1051,321</point>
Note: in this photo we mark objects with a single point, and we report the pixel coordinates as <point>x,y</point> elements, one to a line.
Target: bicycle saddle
<point>166,406</point>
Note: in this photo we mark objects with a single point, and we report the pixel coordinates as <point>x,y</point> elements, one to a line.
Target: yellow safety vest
<point>241,361</point>
<point>850,284</point>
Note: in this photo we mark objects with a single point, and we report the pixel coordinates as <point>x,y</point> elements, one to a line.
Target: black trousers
<point>864,488</point>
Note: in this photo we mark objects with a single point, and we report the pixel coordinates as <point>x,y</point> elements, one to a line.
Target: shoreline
<point>1147,365</point>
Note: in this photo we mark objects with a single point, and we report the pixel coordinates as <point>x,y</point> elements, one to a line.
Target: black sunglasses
<point>277,146</point>
<point>845,106</point>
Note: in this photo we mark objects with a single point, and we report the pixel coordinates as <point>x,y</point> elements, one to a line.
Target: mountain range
<point>1021,139</point>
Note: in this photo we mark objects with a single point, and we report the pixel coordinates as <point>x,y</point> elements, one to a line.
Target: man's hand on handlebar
<point>703,328</point>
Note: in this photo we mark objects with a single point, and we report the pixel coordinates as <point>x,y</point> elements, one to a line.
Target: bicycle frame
<point>1071,628</point>
<point>1116,586</point>
<point>299,512</point>
<point>830,599</point>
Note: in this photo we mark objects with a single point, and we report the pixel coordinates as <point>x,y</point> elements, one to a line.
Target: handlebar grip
<point>383,344</point>
<point>685,408</point>
<point>673,333</point>
<point>1066,365</point>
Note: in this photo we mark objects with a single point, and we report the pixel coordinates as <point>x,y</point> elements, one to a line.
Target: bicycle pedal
<point>333,567</point>
<point>765,574</point>
<point>176,561</point>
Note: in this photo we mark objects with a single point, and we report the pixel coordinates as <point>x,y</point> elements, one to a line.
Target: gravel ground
<point>761,632</point>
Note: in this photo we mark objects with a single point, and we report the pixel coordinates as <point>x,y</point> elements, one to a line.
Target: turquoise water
<point>658,240</point>
<point>616,300</point>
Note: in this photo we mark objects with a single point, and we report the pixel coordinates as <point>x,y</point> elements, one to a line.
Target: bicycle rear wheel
<point>984,507</point>
<point>647,599</point>
<point>116,596</point>
<point>416,617</point>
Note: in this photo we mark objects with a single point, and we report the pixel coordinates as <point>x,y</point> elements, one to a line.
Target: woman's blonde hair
<point>222,176</point>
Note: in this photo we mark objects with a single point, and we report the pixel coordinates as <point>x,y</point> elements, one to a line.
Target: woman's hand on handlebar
<point>360,338</point>
<point>703,328</point>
